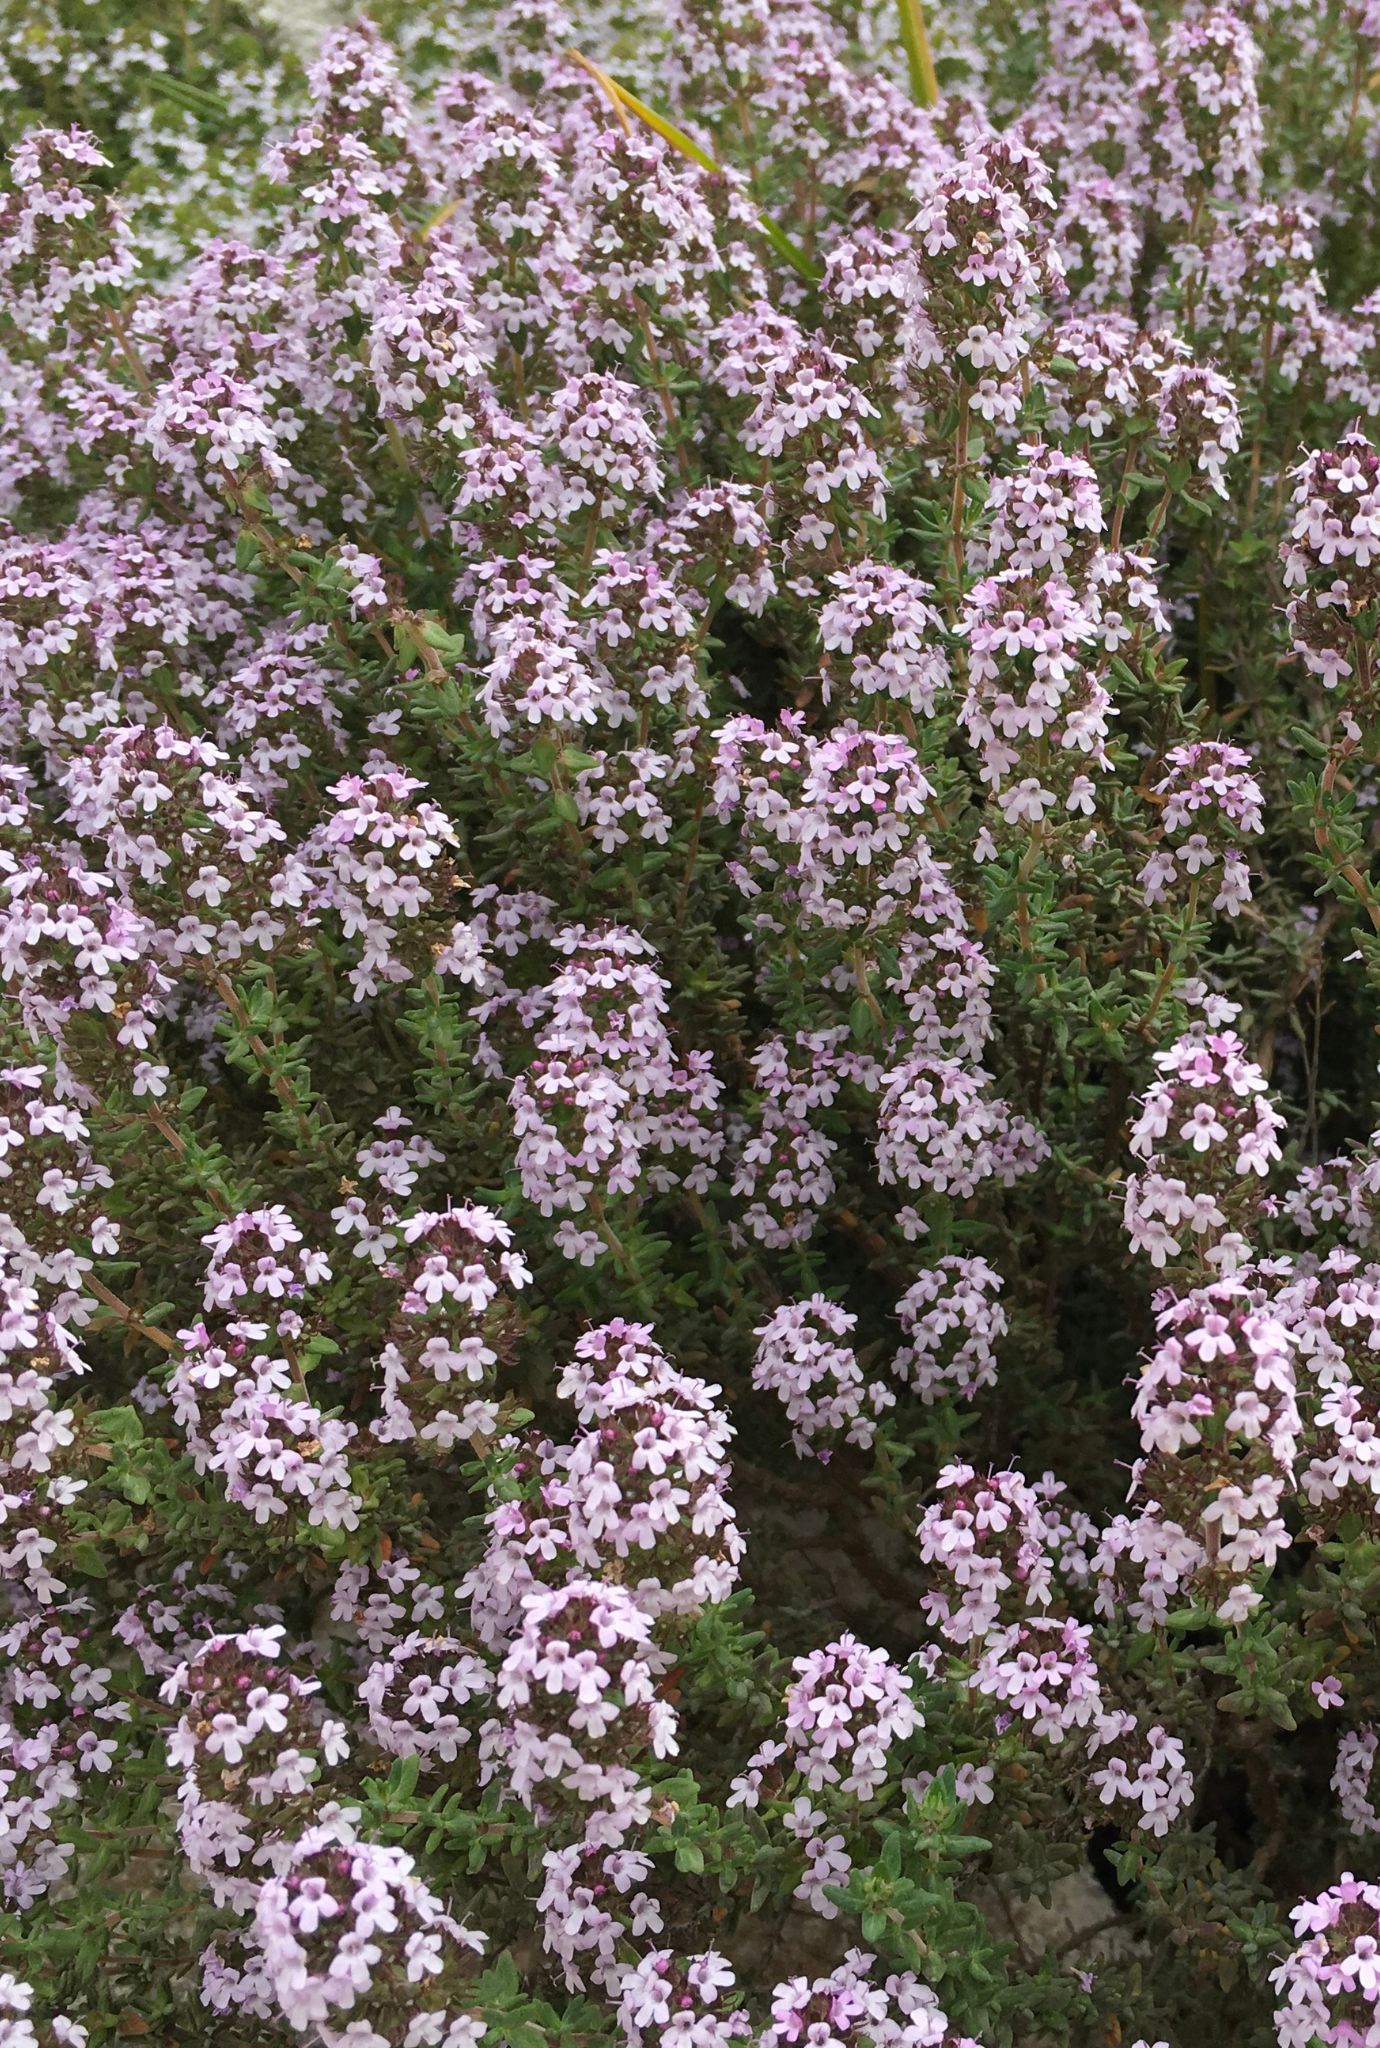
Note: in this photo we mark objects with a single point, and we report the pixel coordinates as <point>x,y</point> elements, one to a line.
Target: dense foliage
<point>691,946</point>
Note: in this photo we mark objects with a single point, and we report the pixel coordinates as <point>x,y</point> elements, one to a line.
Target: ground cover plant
<point>691,948</point>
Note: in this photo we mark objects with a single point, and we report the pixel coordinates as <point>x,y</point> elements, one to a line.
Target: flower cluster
<point>1210,797</point>
<point>1220,1428</point>
<point>604,1089</point>
<point>1205,1137</point>
<point>254,1750</point>
<point>834,828</point>
<point>953,1323</point>
<point>817,1379</point>
<point>1329,1985</point>
<point>351,1941</point>
<point>845,1708</point>
<point>1329,559</point>
<point>689,1144</point>
<point>580,1695</point>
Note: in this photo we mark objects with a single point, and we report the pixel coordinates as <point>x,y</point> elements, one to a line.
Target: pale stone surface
<point>1080,1923</point>
<point>304,22</point>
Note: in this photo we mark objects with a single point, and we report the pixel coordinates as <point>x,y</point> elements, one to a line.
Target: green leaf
<point>402,1778</point>
<point>863,1023</point>
<point>1308,742</point>
<point>522,2034</point>
<point>194,99</point>
<point>500,1980</point>
<point>119,1425</point>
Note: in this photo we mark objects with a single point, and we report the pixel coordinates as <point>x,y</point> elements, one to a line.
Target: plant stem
<point>128,1315</point>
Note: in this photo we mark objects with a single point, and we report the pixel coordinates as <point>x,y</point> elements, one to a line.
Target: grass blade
<point>924,85</point>
<point>625,103</point>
